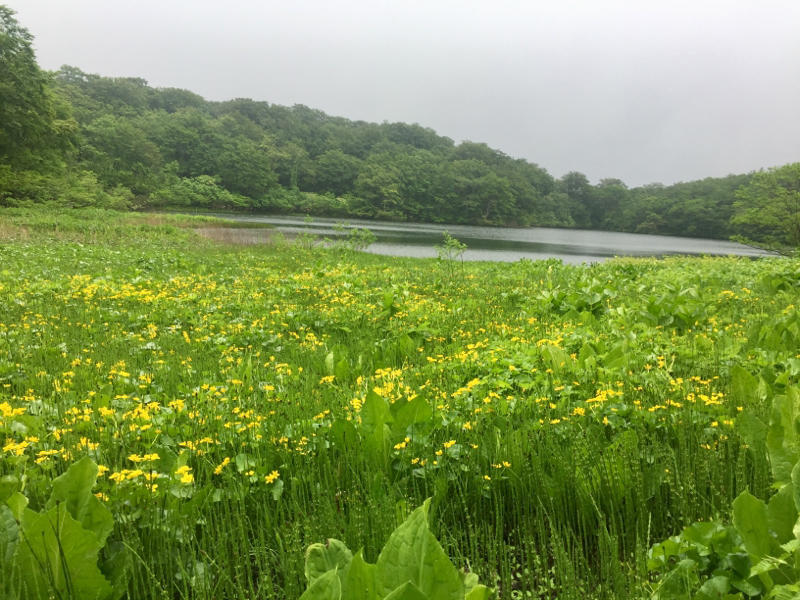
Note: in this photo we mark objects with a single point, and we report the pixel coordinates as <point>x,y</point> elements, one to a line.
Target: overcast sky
<point>642,90</point>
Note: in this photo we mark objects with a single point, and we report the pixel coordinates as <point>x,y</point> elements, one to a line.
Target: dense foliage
<point>83,140</point>
<point>244,403</point>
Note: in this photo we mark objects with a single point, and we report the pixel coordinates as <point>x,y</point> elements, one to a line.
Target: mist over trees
<point>79,139</point>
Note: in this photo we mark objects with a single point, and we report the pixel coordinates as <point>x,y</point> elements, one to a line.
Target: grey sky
<point>642,90</point>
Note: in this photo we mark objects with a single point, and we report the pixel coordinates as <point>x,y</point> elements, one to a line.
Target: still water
<point>502,243</point>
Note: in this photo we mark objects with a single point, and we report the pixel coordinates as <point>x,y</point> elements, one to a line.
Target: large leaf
<point>74,489</point>
<point>782,513</point>
<point>715,588</point>
<point>375,419</point>
<point>59,554</point>
<point>751,520</point>
<point>744,387</point>
<point>782,437</point>
<point>321,558</point>
<point>326,587</point>
<point>9,534</point>
<point>116,567</point>
<point>479,592</point>
<point>413,554</point>
<point>407,413</point>
<point>359,583</point>
<point>407,591</point>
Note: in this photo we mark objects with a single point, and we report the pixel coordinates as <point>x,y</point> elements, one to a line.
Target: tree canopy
<point>132,145</point>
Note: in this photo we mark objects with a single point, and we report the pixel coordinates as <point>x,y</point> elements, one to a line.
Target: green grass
<point>572,415</point>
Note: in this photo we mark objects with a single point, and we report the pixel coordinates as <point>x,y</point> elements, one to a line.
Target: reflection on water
<point>506,244</point>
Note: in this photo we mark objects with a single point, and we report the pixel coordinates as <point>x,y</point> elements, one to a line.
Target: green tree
<point>35,125</point>
<point>768,208</point>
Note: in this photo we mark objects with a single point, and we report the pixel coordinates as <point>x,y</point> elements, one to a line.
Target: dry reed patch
<point>10,232</point>
<point>242,236</point>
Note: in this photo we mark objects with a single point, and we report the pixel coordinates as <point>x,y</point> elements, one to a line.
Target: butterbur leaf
<point>751,520</point>
<point>359,583</point>
<point>714,588</point>
<point>116,565</point>
<point>782,439</point>
<point>746,587</point>
<point>413,554</point>
<point>277,490</point>
<point>325,587</point>
<point>479,592</point>
<point>410,413</point>
<point>743,386</point>
<point>375,417</point>
<point>795,476</point>
<point>321,558</point>
<point>782,513</point>
<point>9,535</point>
<point>59,554</point>
<point>17,503</point>
<point>75,487</point>
<point>470,580</point>
<point>407,591</point>
<point>8,485</point>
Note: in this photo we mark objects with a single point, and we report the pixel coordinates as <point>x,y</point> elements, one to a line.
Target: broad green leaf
<point>9,534</point>
<point>470,580</point>
<point>782,437</point>
<point>342,369</point>
<point>751,520</point>
<point>752,429</point>
<point>479,592</point>
<point>785,592</point>
<point>325,587</point>
<point>321,558</point>
<point>413,554</point>
<point>714,588</point>
<point>116,567</point>
<point>17,503</point>
<point>359,584</point>
<point>795,477</point>
<point>344,435</point>
<point>744,387</point>
<point>74,487</point>
<point>8,485</point>
<point>58,554</point>
<point>329,358</point>
<point>375,417</point>
<point>407,591</point>
<point>747,587</point>
<point>406,414</point>
<point>782,513</point>
<point>98,519</point>
<point>556,357</point>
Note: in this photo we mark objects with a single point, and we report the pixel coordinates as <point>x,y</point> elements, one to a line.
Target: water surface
<point>504,244</point>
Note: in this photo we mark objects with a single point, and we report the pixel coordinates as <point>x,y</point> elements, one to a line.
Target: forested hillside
<point>79,139</point>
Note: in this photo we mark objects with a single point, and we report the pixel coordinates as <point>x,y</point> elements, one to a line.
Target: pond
<point>505,244</point>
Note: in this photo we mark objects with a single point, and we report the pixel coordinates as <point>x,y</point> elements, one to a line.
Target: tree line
<point>80,139</point>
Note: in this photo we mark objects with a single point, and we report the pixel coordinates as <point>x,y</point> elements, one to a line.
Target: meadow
<point>244,403</point>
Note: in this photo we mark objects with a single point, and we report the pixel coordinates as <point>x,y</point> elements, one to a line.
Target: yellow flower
<point>272,477</point>
<point>222,465</point>
<point>17,449</point>
<point>185,475</point>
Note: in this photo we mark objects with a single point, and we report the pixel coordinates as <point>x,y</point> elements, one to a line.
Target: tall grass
<point>577,414</point>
